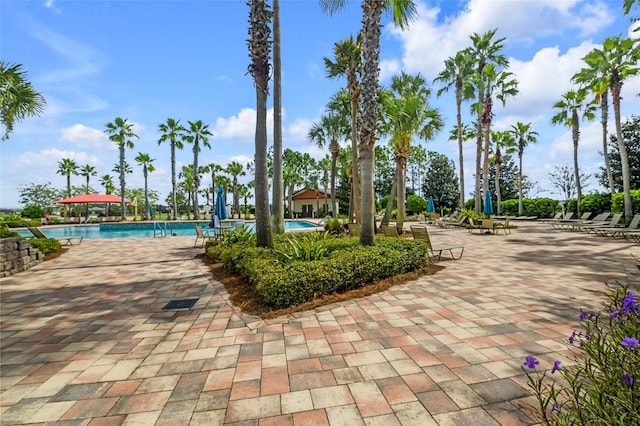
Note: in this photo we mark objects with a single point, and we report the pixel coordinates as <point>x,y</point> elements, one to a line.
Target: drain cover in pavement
<point>181,304</point>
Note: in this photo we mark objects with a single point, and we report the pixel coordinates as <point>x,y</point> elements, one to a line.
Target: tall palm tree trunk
<point>371,15</point>
<point>604,111</point>
<point>146,195</point>
<point>334,161</point>
<point>486,121</point>
<point>520,197</point>
<point>278,210</point>
<point>196,177</point>
<point>575,130</point>
<point>401,177</point>
<point>624,159</point>
<point>387,212</point>
<point>460,155</point>
<point>478,197</point>
<point>497,181</point>
<point>174,184</point>
<point>122,183</point>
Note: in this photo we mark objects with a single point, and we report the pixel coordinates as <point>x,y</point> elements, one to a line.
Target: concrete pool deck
<point>85,340</point>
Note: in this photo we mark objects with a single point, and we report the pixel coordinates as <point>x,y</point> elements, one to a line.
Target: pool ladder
<point>160,229</point>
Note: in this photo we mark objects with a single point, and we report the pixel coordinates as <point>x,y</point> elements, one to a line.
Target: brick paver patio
<point>85,340</point>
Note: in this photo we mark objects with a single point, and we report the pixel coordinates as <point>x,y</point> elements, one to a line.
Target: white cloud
<point>87,137</point>
<point>543,79</point>
<point>526,19</point>
<point>298,130</point>
<point>240,126</point>
<point>82,59</point>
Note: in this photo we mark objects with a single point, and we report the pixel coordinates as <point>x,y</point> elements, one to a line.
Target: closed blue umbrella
<point>431,208</point>
<point>221,208</point>
<point>488,205</point>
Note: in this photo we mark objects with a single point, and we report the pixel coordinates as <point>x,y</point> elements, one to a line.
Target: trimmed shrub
<point>416,204</point>
<point>46,245</point>
<point>596,203</point>
<point>6,233</point>
<point>33,212</point>
<point>346,265</point>
<point>617,202</point>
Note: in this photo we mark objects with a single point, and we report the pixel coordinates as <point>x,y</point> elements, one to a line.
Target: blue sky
<point>149,60</point>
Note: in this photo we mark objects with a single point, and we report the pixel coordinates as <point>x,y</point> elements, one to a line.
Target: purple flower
<point>585,315</point>
<point>573,336</point>
<point>627,379</point>
<point>613,314</point>
<point>531,362</point>
<point>555,409</point>
<point>630,342</point>
<point>556,367</point>
<point>629,303</point>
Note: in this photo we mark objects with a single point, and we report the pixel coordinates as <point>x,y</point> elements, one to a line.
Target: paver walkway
<point>85,340</point>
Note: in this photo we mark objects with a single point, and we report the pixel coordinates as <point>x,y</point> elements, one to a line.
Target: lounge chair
<point>202,235</point>
<point>599,219</point>
<point>449,223</point>
<point>502,225</point>
<point>421,233</point>
<point>619,232</point>
<point>390,231</point>
<point>472,226</point>
<point>568,223</point>
<point>65,241</point>
<point>613,223</point>
<point>563,219</point>
<point>354,229</point>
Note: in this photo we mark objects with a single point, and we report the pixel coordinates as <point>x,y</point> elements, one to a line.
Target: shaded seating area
<point>421,233</point>
<point>65,241</point>
<point>202,236</point>
<point>390,231</point>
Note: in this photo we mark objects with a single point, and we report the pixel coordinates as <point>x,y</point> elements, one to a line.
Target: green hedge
<point>617,202</point>
<point>596,203</point>
<point>46,245</point>
<point>539,207</point>
<point>347,265</point>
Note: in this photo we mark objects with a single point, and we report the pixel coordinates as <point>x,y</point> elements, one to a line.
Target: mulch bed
<point>244,297</point>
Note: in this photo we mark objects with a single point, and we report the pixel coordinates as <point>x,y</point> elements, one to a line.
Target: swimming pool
<point>149,229</point>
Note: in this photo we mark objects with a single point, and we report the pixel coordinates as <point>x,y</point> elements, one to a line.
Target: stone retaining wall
<point>17,255</point>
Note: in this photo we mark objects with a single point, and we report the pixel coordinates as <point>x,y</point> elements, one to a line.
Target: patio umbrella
<point>431,208</point>
<point>220,209</point>
<point>488,205</point>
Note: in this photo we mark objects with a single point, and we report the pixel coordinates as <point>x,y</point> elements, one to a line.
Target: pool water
<point>148,229</point>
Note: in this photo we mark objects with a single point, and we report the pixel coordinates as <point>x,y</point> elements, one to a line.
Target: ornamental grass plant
<point>603,386</point>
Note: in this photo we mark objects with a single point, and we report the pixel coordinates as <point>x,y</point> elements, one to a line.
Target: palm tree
<point>146,162</point>
<point>467,133</point>
<point>235,169</point>
<point>259,52</point>
<point>196,133</point>
<point>456,71</point>
<point>330,130</point>
<point>121,132</point>
<point>67,167</point>
<point>291,179</point>
<point>503,140</point>
<point>403,12</point>
<point>324,166</point>
<point>484,50</point>
<point>523,135</point>
<point>173,132</point>
<point>245,192</point>
<point>187,184</point>
<point>407,113</point>
<point>107,182</point>
<point>18,99</point>
<point>277,188</point>
<point>348,63</point>
<point>616,61</point>
<point>491,83</point>
<point>87,171</point>
<point>572,108</point>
